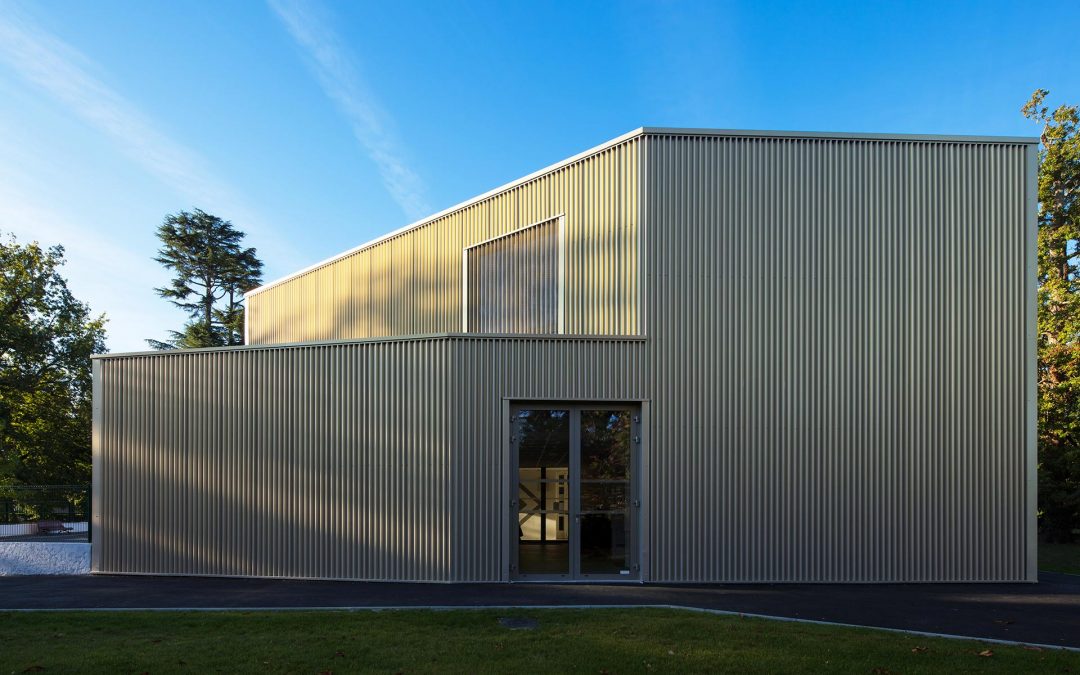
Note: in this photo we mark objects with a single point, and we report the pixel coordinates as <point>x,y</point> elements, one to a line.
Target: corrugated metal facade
<point>323,461</point>
<point>837,371</point>
<point>486,374</point>
<point>513,282</point>
<point>838,342</point>
<point>363,460</point>
<point>410,283</point>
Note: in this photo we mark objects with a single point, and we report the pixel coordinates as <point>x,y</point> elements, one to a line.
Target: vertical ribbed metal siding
<point>484,372</point>
<point>370,460</point>
<point>837,359</point>
<point>323,461</point>
<point>838,356</point>
<point>411,284</point>
<point>513,282</point>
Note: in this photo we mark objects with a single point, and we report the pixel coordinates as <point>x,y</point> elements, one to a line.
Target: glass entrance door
<point>543,489</point>
<point>574,492</point>
<point>606,492</point>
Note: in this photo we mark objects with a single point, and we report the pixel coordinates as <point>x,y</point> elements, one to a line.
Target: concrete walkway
<point>1045,613</point>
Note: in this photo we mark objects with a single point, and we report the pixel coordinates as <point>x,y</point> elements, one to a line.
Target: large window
<point>514,283</point>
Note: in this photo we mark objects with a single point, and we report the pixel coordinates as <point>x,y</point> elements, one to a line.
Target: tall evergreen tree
<point>46,339</point>
<point>1059,317</point>
<point>243,273</point>
<point>211,272</point>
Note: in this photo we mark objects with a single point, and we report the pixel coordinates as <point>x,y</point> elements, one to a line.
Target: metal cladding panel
<point>410,283</point>
<point>322,461</point>
<point>838,359</point>
<point>365,460</point>
<point>513,282</point>
<point>485,374</point>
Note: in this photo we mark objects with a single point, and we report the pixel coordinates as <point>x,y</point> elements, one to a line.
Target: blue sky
<point>315,126</point>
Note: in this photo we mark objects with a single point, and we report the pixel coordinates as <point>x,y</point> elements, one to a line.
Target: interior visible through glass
<point>605,487</point>
<point>543,438</point>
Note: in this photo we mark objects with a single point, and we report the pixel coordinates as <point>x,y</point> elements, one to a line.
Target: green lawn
<point>1060,558</point>
<point>587,641</point>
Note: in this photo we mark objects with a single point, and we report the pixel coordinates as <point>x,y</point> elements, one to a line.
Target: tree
<point>1059,317</point>
<point>46,339</point>
<point>211,272</point>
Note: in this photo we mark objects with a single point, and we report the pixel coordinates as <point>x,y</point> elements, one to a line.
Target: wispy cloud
<point>59,70</point>
<point>337,73</point>
<point>133,310</point>
<point>110,263</point>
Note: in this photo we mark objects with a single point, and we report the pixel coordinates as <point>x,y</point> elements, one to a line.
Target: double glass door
<point>574,493</point>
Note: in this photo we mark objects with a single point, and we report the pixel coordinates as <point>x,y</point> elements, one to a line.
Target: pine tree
<point>212,270</point>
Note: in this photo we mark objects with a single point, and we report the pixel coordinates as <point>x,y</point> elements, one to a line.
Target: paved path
<point>1044,613</point>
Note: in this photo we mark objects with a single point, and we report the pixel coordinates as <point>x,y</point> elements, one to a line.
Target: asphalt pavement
<point>1046,613</point>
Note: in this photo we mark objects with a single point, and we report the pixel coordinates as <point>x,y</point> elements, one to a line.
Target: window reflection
<point>605,444</point>
<point>543,491</point>
<point>605,489</point>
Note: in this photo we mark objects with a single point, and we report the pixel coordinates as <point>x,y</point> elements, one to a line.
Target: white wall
<point>32,557</point>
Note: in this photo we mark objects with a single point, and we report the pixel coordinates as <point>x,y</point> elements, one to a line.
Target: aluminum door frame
<point>636,548</point>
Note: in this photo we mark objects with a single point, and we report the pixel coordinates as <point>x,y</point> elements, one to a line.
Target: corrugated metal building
<point>681,356</point>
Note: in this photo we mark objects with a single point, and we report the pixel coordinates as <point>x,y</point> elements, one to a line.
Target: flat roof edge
<point>420,337</point>
<point>837,135</point>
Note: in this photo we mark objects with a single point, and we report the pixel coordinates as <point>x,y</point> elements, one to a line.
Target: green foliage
<point>29,503</point>
<point>211,272</point>
<point>1059,318</point>
<point>46,339</point>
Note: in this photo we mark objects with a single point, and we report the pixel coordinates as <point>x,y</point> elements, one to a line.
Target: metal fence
<point>37,503</point>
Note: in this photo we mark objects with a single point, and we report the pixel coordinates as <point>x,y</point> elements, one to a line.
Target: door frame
<point>639,526</point>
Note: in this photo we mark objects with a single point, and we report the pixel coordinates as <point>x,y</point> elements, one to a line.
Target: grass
<point>1060,558</point>
<point>418,641</point>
